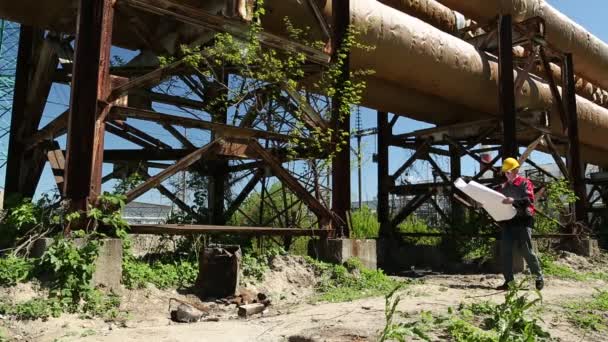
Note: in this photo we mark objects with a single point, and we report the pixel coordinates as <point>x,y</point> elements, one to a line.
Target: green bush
<point>32,309</point>
<point>365,224</point>
<point>339,283</point>
<point>14,269</point>
<point>163,274</point>
<point>415,225</point>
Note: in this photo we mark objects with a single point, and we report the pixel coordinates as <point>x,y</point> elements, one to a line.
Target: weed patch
<point>589,314</point>
<point>340,283</point>
<point>513,320</point>
<point>164,273</point>
<point>14,269</point>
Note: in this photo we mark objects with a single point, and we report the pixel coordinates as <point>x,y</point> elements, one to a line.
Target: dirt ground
<point>292,317</point>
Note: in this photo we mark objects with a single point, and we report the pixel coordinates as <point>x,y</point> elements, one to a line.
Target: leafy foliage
<point>339,283</point>
<point>14,269</point>
<point>590,314</point>
<point>164,273</point>
<point>415,225</point>
<point>365,224</point>
<point>513,320</point>
<point>255,263</point>
<point>559,197</point>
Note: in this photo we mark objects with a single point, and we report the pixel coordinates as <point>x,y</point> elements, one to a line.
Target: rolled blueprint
<point>490,200</point>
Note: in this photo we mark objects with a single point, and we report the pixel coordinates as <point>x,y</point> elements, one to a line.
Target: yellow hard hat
<point>509,164</point>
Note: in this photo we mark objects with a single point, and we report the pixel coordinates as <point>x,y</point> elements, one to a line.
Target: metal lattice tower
<point>9,44</point>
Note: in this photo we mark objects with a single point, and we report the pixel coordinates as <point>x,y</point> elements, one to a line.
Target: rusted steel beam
<point>57,162</point>
<point>506,88</point>
<point>311,117</point>
<point>119,112</point>
<point>420,188</point>
<point>325,215</point>
<point>541,170</point>
<point>558,103</point>
<point>16,149</point>
<point>179,229</point>
<point>487,166</point>
<point>524,157</point>
<point>556,157</point>
<point>168,172</point>
<point>124,135</point>
<point>36,64</point>
<point>574,155</point>
<point>255,179</point>
<point>178,101</point>
<point>140,134</point>
<point>245,166</point>
<point>410,207</point>
<point>90,83</point>
<point>216,100</point>
<point>457,214</point>
<point>418,154</point>
<point>52,130</point>
<point>171,196</point>
<point>145,81</point>
<point>200,18</point>
<point>340,123</point>
<point>180,137</point>
<point>384,178</point>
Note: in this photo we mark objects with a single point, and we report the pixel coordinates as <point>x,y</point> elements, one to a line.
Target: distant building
<point>146,213</point>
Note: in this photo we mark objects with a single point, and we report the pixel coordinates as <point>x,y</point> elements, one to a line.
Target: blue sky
<point>591,16</point>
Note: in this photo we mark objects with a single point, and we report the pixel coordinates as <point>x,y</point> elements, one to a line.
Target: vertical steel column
<point>90,85</point>
<point>455,173</point>
<point>384,134</point>
<point>506,87</point>
<point>341,161</point>
<point>22,80</point>
<point>359,171</point>
<point>219,168</point>
<point>574,157</point>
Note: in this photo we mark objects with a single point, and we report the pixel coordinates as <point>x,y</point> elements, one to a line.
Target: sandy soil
<point>292,318</point>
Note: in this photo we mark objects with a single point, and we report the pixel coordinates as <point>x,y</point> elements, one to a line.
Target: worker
<point>517,232</point>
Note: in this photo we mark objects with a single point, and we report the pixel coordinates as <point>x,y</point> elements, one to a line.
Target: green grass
<point>365,224</point>
<point>163,274</point>
<point>589,314</point>
<point>550,267</point>
<point>341,283</point>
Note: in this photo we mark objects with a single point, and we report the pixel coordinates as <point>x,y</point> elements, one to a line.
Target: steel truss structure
<point>250,139</point>
<point>518,127</point>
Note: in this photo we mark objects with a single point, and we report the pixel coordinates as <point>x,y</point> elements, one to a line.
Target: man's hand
<point>508,200</point>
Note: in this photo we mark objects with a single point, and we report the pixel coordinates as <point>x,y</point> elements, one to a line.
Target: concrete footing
<point>108,265</point>
<point>340,250</point>
<point>584,247</point>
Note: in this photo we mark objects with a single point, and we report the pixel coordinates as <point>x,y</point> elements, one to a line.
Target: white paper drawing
<point>490,200</point>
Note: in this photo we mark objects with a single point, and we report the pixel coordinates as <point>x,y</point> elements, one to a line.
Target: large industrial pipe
<point>431,12</point>
<point>590,53</point>
<point>413,54</point>
<point>450,21</point>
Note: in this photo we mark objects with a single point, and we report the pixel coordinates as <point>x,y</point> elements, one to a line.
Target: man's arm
<point>524,202</point>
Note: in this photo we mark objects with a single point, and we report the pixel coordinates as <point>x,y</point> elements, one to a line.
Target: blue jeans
<point>517,233</point>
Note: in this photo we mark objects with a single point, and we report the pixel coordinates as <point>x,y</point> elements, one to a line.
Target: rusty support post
<point>575,163</point>
<point>218,94</point>
<point>384,179</point>
<point>506,87</point>
<point>341,122</point>
<point>455,173</point>
<point>90,85</point>
<point>22,80</point>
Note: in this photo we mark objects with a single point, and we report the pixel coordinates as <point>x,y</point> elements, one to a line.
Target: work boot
<point>540,283</point>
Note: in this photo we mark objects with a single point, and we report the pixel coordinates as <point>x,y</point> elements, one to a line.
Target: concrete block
<point>340,250</point>
<point>586,247</point>
<point>108,265</point>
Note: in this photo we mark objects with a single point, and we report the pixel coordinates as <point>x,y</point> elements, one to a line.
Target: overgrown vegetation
<point>555,205</point>
<point>67,266</point>
<point>552,268</point>
<point>339,283</point>
<point>516,319</point>
<point>590,314</point>
<point>364,224</point>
